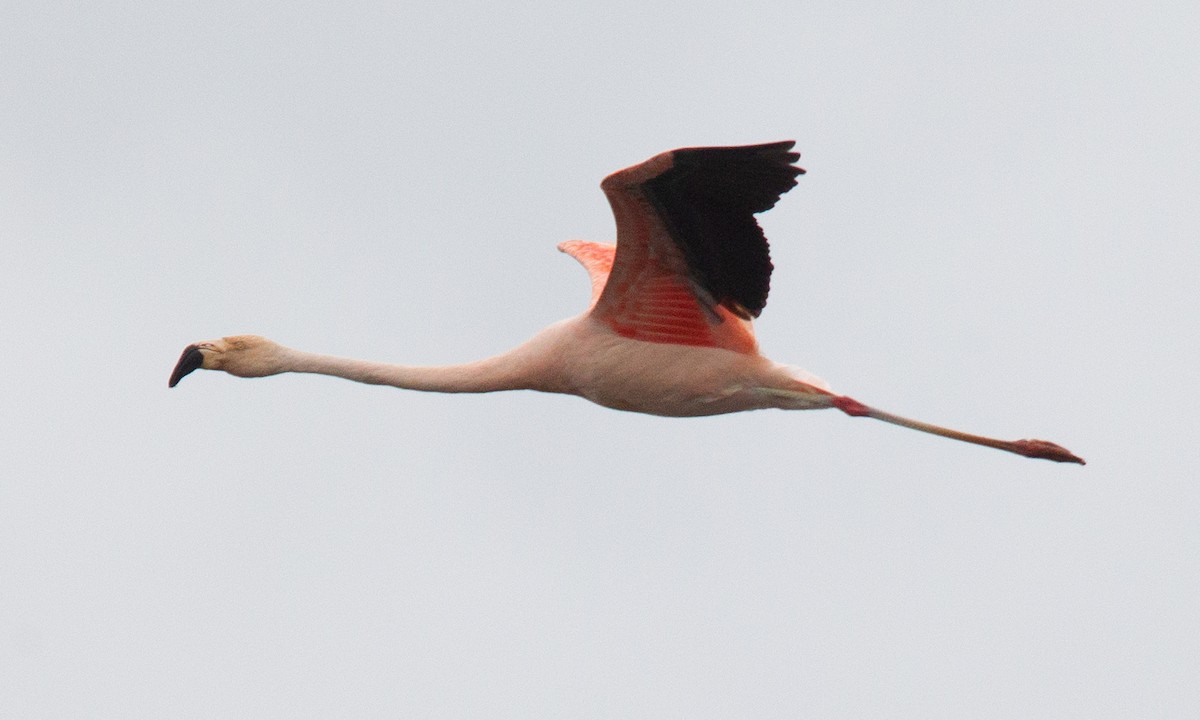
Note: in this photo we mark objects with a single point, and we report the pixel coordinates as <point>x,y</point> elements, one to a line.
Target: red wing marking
<point>664,309</point>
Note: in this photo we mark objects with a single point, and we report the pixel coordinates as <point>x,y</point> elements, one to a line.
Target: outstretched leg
<point>1029,448</point>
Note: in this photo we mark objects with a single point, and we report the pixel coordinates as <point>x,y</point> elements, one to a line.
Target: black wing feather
<point>708,199</point>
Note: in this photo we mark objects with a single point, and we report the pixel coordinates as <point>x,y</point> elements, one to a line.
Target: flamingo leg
<point>1042,449</point>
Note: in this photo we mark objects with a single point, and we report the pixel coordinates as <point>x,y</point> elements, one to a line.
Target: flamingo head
<point>240,355</point>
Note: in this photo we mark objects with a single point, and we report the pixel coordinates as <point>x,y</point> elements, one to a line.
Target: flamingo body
<point>668,330</point>
<point>598,363</point>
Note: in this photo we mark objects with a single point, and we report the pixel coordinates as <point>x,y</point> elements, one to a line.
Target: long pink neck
<point>502,372</point>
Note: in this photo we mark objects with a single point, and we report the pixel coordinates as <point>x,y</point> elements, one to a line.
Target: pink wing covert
<point>664,308</point>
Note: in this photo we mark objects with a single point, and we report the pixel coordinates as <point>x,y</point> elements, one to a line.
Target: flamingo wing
<point>596,258</point>
<point>692,266</point>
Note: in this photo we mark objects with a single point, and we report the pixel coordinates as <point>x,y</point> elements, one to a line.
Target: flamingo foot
<point>1045,450</point>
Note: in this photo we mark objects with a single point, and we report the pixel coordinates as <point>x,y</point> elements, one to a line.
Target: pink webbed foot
<point>1045,450</point>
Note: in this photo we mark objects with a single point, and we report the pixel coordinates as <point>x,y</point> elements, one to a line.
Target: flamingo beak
<point>190,360</point>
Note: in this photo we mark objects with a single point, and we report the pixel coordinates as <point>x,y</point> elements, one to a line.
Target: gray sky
<point>998,231</point>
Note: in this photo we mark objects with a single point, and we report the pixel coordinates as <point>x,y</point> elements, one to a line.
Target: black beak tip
<point>190,360</point>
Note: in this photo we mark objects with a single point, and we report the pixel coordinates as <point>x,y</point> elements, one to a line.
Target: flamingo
<point>669,327</point>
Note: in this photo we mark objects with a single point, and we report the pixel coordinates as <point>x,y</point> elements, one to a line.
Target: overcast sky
<point>999,231</point>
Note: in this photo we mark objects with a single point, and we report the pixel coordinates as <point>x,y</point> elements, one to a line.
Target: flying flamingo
<point>668,331</point>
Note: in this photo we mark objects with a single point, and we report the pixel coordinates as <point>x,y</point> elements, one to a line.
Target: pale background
<point>999,231</point>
